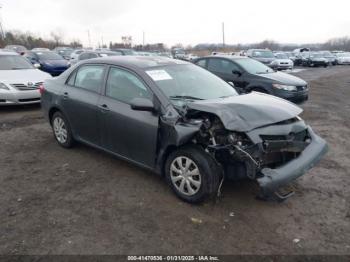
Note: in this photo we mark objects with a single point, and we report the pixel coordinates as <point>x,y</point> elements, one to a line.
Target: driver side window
<point>222,66</point>
<point>125,86</point>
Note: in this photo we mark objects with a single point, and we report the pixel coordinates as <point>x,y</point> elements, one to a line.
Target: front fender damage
<point>272,155</point>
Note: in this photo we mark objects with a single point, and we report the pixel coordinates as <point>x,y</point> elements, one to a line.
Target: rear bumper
<point>272,179</point>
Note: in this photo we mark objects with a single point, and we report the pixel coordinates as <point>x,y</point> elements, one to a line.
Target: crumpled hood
<point>247,112</point>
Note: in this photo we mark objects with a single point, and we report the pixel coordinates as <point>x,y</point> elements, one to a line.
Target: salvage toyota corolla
<point>182,122</point>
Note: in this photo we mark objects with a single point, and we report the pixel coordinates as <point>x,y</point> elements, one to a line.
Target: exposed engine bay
<point>240,155</point>
<point>265,142</point>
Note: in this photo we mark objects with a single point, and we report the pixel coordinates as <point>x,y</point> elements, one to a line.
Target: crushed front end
<point>273,155</point>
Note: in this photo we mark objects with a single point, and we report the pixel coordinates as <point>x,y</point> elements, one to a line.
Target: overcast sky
<point>181,21</point>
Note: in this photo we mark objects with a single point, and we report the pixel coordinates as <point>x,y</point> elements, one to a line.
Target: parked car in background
<point>74,55</point>
<point>20,49</point>
<point>183,123</point>
<point>264,56</point>
<point>178,53</point>
<point>330,57</point>
<point>291,56</point>
<point>165,54</point>
<point>314,59</point>
<point>94,54</point>
<point>124,51</point>
<point>40,49</point>
<point>299,55</point>
<point>142,53</point>
<point>66,53</point>
<point>249,75</point>
<point>190,57</point>
<point>343,58</point>
<point>49,61</point>
<point>282,62</point>
<point>19,80</point>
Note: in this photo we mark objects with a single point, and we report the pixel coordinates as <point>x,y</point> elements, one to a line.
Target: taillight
<point>41,89</point>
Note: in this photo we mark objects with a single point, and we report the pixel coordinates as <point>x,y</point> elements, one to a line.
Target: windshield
<point>327,53</point>
<point>49,56</point>
<point>281,56</point>
<point>66,52</point>
<point>108,54</point>
<point>263,54</point>
<point>189,82</point>
<point>316,55</point>
<point>253,67</point>
<point>128,52</point>
<point>13,62</point>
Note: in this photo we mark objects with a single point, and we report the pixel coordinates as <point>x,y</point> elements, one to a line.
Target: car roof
<point>140,62</point>
<point>8,52</point>
<point>231,57</point>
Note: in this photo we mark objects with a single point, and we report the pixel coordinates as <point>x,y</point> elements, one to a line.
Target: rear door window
<point>90,77</point>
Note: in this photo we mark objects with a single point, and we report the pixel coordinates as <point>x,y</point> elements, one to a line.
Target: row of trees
<point>341,43</point>
<point>31,41</point>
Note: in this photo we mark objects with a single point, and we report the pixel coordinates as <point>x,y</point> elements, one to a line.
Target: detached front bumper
<point>272,179</point>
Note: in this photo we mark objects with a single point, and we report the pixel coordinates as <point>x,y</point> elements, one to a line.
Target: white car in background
<point>342,58</point>
<point>75,54</point>
<point>19,80</point>
<point>282,62</point>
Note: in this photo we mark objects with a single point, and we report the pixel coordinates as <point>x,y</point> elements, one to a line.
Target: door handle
<point>104,108</point>
<point>65,95</point>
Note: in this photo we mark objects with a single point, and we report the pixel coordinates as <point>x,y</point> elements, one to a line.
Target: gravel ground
<point>83,201</point>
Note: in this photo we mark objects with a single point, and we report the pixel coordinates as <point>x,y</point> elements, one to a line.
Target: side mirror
<point>231,83</point>
<point>142,104</point>
<point>236,72</point>
<point>36,65</point>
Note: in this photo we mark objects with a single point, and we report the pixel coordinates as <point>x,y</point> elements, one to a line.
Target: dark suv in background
<point>250,75</point>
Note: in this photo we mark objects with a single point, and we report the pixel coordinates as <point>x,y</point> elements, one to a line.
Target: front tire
<point>62,130</point>
<point>193,174</point>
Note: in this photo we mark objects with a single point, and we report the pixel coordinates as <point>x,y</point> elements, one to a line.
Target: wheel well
<point>52,112</point>
<point>166,153</point>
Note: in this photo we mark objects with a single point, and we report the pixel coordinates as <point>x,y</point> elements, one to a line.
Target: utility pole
<point>1,28</point>
<point>102,40</point>
<point>88,31</point>
<point>223,34</point>
<point>143,39</point>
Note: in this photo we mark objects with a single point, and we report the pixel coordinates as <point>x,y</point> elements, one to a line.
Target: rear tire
<point>61,130</point>
<point>193,174</point>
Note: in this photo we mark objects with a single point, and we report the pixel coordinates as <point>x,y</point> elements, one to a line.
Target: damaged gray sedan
<point>182,122</point>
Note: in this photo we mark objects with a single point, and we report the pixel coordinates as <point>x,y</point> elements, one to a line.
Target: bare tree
<point>57,36</point>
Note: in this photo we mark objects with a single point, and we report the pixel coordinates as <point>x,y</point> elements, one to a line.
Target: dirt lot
<point>83,201</point>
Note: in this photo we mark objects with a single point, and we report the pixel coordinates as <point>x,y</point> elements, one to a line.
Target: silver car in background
<point>93,54</point>
<point>282,61</point>
<point>343,58</point>
<point>19,80</point>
